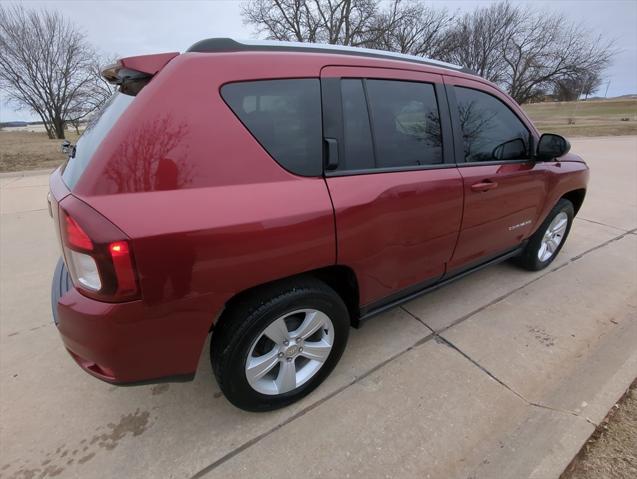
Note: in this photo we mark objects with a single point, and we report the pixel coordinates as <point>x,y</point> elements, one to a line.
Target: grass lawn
<point>28,150</point>
<point>23,150</point>
<point>585,118</point>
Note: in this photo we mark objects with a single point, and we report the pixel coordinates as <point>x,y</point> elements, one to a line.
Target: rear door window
<point>404,119</point>
<point>357,135</point>
<point>285,118</point>
<point>405,123</point>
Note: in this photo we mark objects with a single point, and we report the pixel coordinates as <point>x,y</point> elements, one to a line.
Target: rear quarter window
<point>285,118</point>
<point>92,137</point>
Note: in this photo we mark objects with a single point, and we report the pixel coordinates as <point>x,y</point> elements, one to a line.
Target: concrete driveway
<point>502,374</point>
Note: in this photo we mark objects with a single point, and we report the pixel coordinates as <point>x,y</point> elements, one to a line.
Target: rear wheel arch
<point>242,351</point>
<point>340,278</point>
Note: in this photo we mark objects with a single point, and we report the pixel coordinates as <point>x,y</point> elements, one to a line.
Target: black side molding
<point>177,378</point>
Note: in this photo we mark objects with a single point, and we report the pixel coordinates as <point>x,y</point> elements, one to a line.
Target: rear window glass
<point>359,151</point>
<point>90,140</point>
<point>285,118</point>
<point>405,123</point>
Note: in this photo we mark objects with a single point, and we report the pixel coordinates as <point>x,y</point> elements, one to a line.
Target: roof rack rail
<point>225,45</point>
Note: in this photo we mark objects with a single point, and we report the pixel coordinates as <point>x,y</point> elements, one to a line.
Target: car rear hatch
<point>130,75</point>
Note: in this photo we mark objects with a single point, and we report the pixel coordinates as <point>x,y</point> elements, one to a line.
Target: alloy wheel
<point>289,352</point>
<point>553,236</point>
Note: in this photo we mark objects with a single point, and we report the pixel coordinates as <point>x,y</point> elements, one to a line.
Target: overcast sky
<point>136,27</point>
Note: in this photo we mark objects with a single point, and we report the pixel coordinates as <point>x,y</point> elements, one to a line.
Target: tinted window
<point>95,132</point>
<point>358,147</point>
<point>405,123</point>
<point>285,117</point>
<point>488,124</point>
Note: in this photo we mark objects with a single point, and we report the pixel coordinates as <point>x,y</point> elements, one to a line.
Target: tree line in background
<point>529,53</point>
<point>48,66</point>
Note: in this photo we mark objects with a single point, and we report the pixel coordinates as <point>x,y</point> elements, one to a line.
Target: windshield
<point>90,140</point>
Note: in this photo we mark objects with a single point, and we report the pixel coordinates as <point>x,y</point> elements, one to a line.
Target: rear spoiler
<point>132,73</point>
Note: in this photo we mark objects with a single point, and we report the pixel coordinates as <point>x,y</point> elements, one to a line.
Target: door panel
<point>397,213</point>
<point>499,218</point>
<point>504,189</point>
<point>396,229</point>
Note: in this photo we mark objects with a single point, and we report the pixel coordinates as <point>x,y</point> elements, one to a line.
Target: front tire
<point>548,240</point>
<point>276,345</point>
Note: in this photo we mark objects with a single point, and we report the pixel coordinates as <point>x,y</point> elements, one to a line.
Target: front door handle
<point>484,186</point>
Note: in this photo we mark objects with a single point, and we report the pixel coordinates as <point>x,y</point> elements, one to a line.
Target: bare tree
<point>94,95</point>
<point>543,50</point>
<point>286,20</point>
<point>476,40</point>
<point>526,51</point>
<point>44,64</point>
<point>408,26</point>
<point>572,88</point>
<point>591,83</point>
<point>343,22</point>
<point>567,89</point>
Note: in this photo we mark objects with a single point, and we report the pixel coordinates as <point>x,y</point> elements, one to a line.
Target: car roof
<point>229,45</point>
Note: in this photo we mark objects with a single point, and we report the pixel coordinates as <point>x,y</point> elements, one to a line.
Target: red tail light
<point>98,255</point>
<point>124,271</point>
<point>75,236</point>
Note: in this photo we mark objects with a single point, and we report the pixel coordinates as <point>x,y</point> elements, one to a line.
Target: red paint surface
<point>396,229</point>
<point>489,215</point>
<point>150,64</point>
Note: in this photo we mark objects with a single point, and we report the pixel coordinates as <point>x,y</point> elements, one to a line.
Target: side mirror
<point>66,146</point>
<point>510,150</point>
<point>552,146</point>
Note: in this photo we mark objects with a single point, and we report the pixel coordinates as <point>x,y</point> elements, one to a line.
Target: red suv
<point>273,194</point>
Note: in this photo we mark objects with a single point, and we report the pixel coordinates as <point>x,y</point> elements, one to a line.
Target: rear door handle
<point>332,154</point>
<point>484,186</point>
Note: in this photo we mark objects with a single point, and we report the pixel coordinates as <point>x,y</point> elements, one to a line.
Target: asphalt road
<point>502,374</point>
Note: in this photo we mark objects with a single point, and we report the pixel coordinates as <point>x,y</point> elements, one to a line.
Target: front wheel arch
<point>528,258</point>
<point>576,197</point>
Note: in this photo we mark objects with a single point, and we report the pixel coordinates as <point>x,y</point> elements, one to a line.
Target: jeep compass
<point>275,194</point>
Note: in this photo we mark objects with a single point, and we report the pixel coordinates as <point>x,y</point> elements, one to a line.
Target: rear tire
<point>316,322</point>
<point>548,240</point>
<point>59,286</point>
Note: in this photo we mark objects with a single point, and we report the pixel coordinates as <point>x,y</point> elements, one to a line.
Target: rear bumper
<point>128,343</point>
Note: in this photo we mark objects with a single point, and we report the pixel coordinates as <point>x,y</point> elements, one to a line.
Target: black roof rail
<point>227,45</point>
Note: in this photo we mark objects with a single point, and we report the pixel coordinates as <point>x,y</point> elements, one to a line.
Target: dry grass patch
<point>611,452</point>
<point>27,150</point>
<point>585,118</point>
